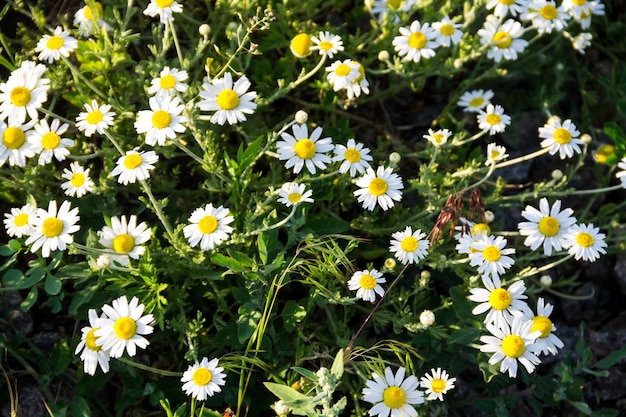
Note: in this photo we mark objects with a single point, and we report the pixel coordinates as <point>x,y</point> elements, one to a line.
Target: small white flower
<point>169,82</point>
<point>561,137</point>
<point>504,39</point>
<point>409,246</point>
<point>503,304</point>
<point>546,226</point>
<point>367,284</point>
<point>581,42</point>
<point>52,48</point>
<point>229,102</point>
<point>300,150</point>
<point>49,141</point>
<point>327,44</point>
<point>163,9</point>
<point>342,74</point>
<point>416,42</point>
<point>504,7</point>
<point>393,394</point>
<point>380,187</point>
<point>448,32</point>
<point>546,16</point>
<point>134,166</point>
<point>475,100</point>
<point>91,354</point>
<point>162,121</point>
<point>53,229</point>
<point>18,222</point>
<point>437,383</point>
<point>580,9</point>
<point>384,9</point>
<point>124,239</point>
<point>585,242</point>
<point>209,226</point>
<point>493,119</point>
<point>292,193</point>
<point>78,182</point>
<point>438,137</point>
<point>490,255</point>
<point>547,340</point>
<point>95,119</point>
<point>359,85</point>
<point>23,93</point>
<point>89,21</point>
<point>202,380</point>
<point>354,157</point>
<point>495,154</point>
<point>18,143</point>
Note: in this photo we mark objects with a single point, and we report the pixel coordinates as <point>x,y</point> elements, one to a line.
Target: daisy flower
<point>91,354</point>
<point>416,42</point>
<point>301,150</point>
<point>53,229</point>
<point>409,246</point>
<point>503,304</point>
<point>562,138</point>
<point>512,344</point>
<point>164,9</point>
<point>546,226</point>
<point>437,383</point>
<point>475,100</point>
<point>162,121</point>
<point>124,239</point>
<point>585,242</point>
<point>354,157</point>
<point>490,255</point>
<point>123,327</point>
<point>229,102</point>
<point>493,119</point>
<point>504,7</point>
<point>89,21</point>
<point>78,182</point>
<point>360,84</point>
<point>586,8</point>
<point>367,284</point>
<point>547,340</point>
<point>19,222</point>
<point>438,137</point>
<point>134,166</point>
<point>621,175</point>
<point>202,380</point>
<point>169,82</point>
<point>301,44</point>
<point>18,143</point>
<point>95,119</point>
<point>209,226</point>
<point>448,32</point>
<point>393,394</point>
<point>292,193</point>
<point>384,8</point>
<point>380,187</point>
<point>47,139</point>
<point>503,39</point>
<point>23,93</point>
<point>467,237</point>
<point>581,42</point>
<point>52,48</point>
<point>327,44</point>
<point>546,16</point>
<point>495,154</point>
<point>342,74</point>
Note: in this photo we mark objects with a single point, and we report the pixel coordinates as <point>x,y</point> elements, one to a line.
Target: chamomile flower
<point>53,229</point>
<point>52,48</point>
<point>229,102</point>
<point>393,394</point>
<point>202,380</point>
<point>89,21</point>
<point>300,45</point>
<point>96,118</point>
<point>585,11</point>
<point>546,226</point>
<point>209,226</point>
<point>621,175</point>
<point>367,284</point>
<point>164,9</point>
<point>416,42</point>
<point>470,233</point>
<point>359,85</point>
<point>124,239</point>
<point>124,327</point>
<point>585,242</point>
<point>380,187</point>
<point>475,100</point>
<point>18,143</point>
<point>291,194</point>
<point>341,74</point>
<point>438,137</point>
<point>547,340</point>
<point>503,304</point>
<point>560,137</point>
<point>134,166</point>
<point>504,7</point>
<point>302,150</point>
<point>383,9</point>
<point>491,256</point>
<point>493,119</point>
<point>162,121</point>
<point>23,93</point>
<point>169,82</point>
<point>409,246</point>
<point>78,182</point>
<point>47,139</point>
<point>545,16</point>
<point>327,44</point>
<point>354,157</point>
<point>437,383</point>
<point>19,222</point>
<point>581,42</point>
<point>511,345</point>
<point>495,154</point>
<point>91,354</point>
<point>504,39</point>
<point>448,33</point>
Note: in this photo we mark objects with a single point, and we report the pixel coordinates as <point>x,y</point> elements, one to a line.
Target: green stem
<point>597,190</point>
<point>84,79</point>
<point>170,25</point>
<point>492,167</point>
<point>158,211</point>
<point>282,91</point>
<point>523,158</point>
<point>149,368</point>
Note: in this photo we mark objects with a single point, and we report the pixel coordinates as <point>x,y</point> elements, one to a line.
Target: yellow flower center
<point>227,99</point>
<point>367,282</point>
<point>161,119</point>
<point>481,228</point>
<point>446,29</point>
<point>438,137</point>
<point>393,4</point>
<point>494,155</point>
<point>352,155</point>
<point>513,346</point>
<point>90,340</point>
<point>207,225</point>
<point>394,397</point>
<point>493,119</point>
<point>361,72</point>
<point>579,2</point>
<point>301,45</point>
<point>89,15</point>
<point>20,96</point>
<point>125,328</point>
<point>123,243</point>
<point>603,153</point>
<point>202,377</point>
<point>500,299</point>
<point>342,70</point>
<point>502,39</point>
<point>54,42</point>
<point>409,244</point>
<point>417,40</point>
<point>94,117</point>
<point>476,102</point>
<point>378,187</point>
<point>548,12</point>
<point>13,138</point>
<point>305,148</point>
<point>133,160</point>
<point>543,324</point>
<point>438,385</point>
<point>325,45</point>
<point>584,239</point>
<point>507,2</point>
<point>164,3</point>
<point>562,136</point>
<point>21,220</point>
<point>492,253</point>
<point>167,82</point>
<point>50,140</point>
<point>52,227</point>
<point>294,197</point>
<point>549,226</point>
<point>78,180</point>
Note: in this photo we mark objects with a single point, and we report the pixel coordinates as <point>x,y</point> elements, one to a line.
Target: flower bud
<point>383,56</point>
<point>586,138</point>
<point>301,117</point>
<point>204,29</point>
<point>546,280</point>
<point>103,262</point>
<point>557,175</point>
<point>427,318</point>
<point>394,157</point>
<point>390,263</point>
<point>489,216</point>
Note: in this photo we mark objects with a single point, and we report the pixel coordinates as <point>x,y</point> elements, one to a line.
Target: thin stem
<point>282,91</point>
<point>492,167</point>
<point>597,190</point>
<point>468,140</point>
<point>523,158</point>
<point>149,368</point>
<point>157,210</point>
<point>535,271</point>
<point>273,226</point>
<point>84,79</point>
<point>114,142</point>
<point>170,24</point>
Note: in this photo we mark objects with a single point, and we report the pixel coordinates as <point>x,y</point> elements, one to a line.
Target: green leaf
<point>5,250</point>
<point>615,132</point>
<point>13,278</point>
<point>30,299</point>
<point>293,313</point>
<point>227,262</point>
<point>464,336</point>
<point>611,359</point>
<point>79,407</point>
<point>461,304</point>
<point>337,368</point>
<point>301,404</point>
<point>15,245</point>
<point>327,225</point>
<point>582,407</point>
<point>261,243</point>
<point>247,323</point>
<point>52,285</point>
<point>242,258</point>
<point>605,412</point>
<point>306,373</point>
<point>60,358</point>
<point>247,157</point>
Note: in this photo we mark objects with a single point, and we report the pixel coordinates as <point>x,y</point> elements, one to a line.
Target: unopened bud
<point>394,157</point>
<point>383,56</point>
<point>557,175</point>
<point>390,263</point>
<point>204,29</point>
<point>427,318</point>
<point>586,138</point>
<point>489,216</point>
<point>301,116</point>
<point>546,280</point>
